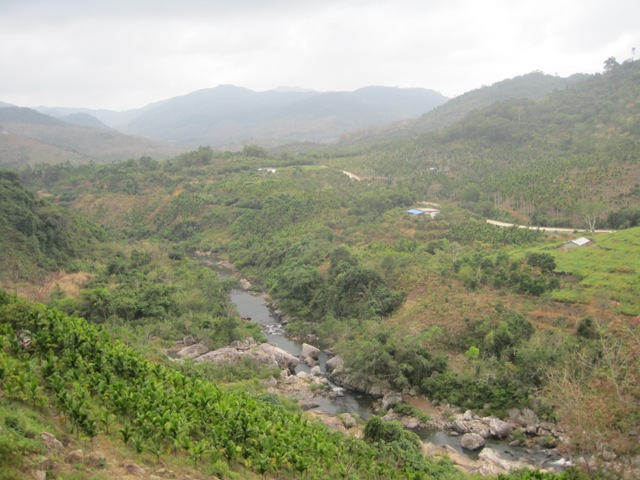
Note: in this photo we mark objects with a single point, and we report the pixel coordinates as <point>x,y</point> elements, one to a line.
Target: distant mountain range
<point>228,116</point>
<point>29,137</point>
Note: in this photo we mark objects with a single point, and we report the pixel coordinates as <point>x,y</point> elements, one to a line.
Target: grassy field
<point>607,271</point>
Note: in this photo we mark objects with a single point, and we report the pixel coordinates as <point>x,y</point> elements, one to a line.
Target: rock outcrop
<point>491,463</point>
<point>193,351</point>
<point>344,377</point>
<point>50,441</point>
<point>472,441</point>
<point>334,363</point>
<point>75,456</point>
<point>486,427</point>
<point>310,354</point>
<point>264,353</point>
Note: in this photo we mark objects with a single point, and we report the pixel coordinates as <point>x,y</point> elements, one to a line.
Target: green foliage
<point>544,261</point>
<point>406,409</point>
<point>500,271</point>
<point>587,328</point>
<point>526,474</point>
<point>493,395</point>
<point>494,235</point>
<point>19,440</point>
<point>34,233</point>
<point>608,270</point>
<point>398,362</point>
<point>162,410</point>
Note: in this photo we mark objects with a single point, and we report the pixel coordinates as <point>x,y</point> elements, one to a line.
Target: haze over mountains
<point>222,117</point>
<point>229,117</point>
<point>29,137</point>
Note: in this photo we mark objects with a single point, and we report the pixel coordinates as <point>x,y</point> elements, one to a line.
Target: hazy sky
<point>121,54</point>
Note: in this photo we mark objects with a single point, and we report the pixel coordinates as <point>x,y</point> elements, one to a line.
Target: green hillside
<point>456,311</point>
<point>36,235</point>
<point>531,86</point>
<point>608,271</point>
<point>103,388</point>
<point>29,137</point>
<point>453,308</point>
<point>543,160</point>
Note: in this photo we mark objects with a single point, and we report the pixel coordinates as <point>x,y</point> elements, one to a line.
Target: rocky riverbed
<point>485,445</point>
<point>464,430</point>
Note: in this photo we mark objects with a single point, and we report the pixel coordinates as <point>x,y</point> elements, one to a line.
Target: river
<point>254,307</point>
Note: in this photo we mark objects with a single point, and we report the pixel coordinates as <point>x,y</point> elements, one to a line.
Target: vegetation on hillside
<point>36,235</point>
<point>554,161</point>
<point>102,387</point>
<point>466,313</point>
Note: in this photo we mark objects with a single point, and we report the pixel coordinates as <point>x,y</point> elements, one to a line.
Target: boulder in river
<point>310,354</point>
<point>282,358</point>
<point>475,425</point>
<point>485,427</point>
<point>498,428</point>
<point>309,351</point>
<point>334,363</point>
<point>472,441</point>
<point>525,417</point>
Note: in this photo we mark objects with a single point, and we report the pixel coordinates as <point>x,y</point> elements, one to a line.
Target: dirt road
<point>546,229</point>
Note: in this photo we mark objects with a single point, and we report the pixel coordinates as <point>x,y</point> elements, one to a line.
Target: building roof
<point>415,211</point>
<point>581,241</point>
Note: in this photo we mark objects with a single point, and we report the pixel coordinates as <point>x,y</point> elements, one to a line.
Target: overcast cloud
<point>125,54</point>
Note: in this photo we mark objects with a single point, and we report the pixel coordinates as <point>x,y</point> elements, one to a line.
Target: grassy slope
<point>608,271</point>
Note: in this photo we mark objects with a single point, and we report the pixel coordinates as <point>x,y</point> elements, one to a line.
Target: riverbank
<point>311,384</point>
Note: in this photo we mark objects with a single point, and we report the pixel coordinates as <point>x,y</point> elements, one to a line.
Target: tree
<point>254,151</point>
<point>590,212</point>
<point>610,64</point>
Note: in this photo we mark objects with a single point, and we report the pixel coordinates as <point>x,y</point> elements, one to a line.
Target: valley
<point>463,319</point>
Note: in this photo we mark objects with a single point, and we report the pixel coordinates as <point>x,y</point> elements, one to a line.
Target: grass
<point>19,438</point>
<point>608,271</point>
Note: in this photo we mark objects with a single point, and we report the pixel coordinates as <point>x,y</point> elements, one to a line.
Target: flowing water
<point>254,307</point>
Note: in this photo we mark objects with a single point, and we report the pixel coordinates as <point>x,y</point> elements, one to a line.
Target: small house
<point>415,211</point>
<point>576,242</point>
<point>432,212</point>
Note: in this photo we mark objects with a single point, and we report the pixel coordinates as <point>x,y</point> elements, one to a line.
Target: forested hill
<point>228,116</point>
<point>29,137</point>
<point>35,234</point>
<point>533,85</point>
<point>539,159</point>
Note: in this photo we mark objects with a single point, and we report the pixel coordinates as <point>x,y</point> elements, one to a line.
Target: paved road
<point>546,229</point>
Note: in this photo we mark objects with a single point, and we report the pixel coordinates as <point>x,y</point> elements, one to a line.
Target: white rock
<point>471,441</point>
<point>193,351</point>
<point>499,428</point>
<point>309,351</point>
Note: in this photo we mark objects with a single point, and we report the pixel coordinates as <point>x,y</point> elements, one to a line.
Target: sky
<point>124,54</point>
